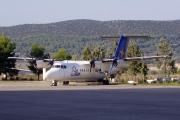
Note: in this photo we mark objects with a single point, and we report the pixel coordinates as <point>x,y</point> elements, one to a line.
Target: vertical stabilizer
<point>121,48</point>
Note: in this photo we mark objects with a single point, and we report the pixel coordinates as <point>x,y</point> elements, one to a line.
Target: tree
<point>167,65</point>
<point>75,57</point>
<point>6,50</point>
<point>171,66</point>
<point>136,66</point>
<point>134,51</point>
<point>115,45</point>
<point>36,52</point>
<point>98,53</point>
<point>109,53</point>
<point>86,53</point>
<point>62,55</point>
<point>144,70</point>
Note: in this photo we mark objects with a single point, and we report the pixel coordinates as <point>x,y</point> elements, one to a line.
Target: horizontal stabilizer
<point>145,58</point>
<point>127,37</point>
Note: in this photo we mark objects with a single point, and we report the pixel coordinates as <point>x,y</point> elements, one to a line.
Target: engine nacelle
<point>39,63</point>
<point>98,65</point>
<point>42,64</point>
<point>98,62</point>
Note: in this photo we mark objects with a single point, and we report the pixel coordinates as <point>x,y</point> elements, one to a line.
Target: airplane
<point>92,70</point>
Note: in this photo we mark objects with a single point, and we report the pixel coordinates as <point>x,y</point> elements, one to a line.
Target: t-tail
<point>121,49</point>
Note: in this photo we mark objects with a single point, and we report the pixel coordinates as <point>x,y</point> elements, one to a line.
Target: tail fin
<point>121,48</point>
<point>123,45</point>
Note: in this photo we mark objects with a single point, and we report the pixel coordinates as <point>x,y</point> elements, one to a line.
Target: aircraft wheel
<point>106,82</point>
<point>65,82</point>
<point>54,83</point>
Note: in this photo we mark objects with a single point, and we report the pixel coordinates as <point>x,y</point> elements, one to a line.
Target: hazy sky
<point>15,12</point>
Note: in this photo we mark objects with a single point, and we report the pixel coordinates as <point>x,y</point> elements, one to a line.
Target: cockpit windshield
<point>59,66</point>
<point>56,66</point>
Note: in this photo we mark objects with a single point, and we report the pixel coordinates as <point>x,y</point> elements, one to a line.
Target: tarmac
<point>38,100</point>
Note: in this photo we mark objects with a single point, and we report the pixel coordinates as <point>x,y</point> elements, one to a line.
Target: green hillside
<point>73,35</point>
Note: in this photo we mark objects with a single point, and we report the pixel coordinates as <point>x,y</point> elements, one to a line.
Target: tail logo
<point>122,53</point>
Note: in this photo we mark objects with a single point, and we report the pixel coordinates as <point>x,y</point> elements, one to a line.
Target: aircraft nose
<point>51,75</point>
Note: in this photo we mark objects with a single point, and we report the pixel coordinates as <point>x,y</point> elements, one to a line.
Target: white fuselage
<point>81,71</point>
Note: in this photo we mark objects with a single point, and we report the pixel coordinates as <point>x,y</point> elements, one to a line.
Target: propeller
<point>92,64</point>
<point>33,61</point>
<point>114,63</point>
<point>51,62</point>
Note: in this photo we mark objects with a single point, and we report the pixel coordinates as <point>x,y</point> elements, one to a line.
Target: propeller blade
<point>48,55</point>
<point>51,62</point>
<point>114,63</point>
<point>92,64</point>
<point>33,61</point>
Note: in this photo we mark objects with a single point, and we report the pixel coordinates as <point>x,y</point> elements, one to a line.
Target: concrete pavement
<point>39,100</point>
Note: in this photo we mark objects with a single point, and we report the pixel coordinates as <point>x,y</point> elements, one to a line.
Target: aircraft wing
<point>14,70</point>
<point>28,58</point>
<point>20,58</point>
<point>144,58</point>
<point>136,58</point>
<point>19,69</point>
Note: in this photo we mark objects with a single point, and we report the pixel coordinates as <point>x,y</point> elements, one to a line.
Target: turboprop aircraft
<point>92,70</point>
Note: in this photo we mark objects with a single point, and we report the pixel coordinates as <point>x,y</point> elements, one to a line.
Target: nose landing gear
<point>54,83</point>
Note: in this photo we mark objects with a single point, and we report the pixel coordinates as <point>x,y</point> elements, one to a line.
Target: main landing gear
<point>54,83</point>
<point>65,82</point>
<point>106,82</point>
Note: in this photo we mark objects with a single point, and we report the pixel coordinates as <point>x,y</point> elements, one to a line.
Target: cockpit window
<point>59,66</point>
<point>56,66</point>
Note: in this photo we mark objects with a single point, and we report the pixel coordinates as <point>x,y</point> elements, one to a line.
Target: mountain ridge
<point>95,27</point>
<point>74,35</point>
